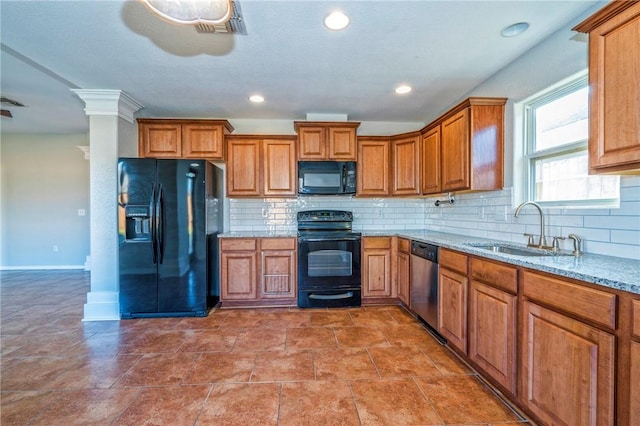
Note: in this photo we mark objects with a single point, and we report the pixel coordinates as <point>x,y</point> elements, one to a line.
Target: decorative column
<point>110,116</point>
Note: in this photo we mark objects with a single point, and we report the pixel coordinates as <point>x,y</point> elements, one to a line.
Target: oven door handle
<point>322,240</point>
<point>347,295</point>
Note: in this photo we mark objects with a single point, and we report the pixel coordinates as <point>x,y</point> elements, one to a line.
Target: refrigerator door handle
<point>154,230</point>
<point>160,223</point>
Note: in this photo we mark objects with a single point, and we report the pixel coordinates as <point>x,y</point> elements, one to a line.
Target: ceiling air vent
<point>235,24</point>
<point>10,102</point>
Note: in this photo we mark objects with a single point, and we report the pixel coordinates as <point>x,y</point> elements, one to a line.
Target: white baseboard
<point>40,267</point>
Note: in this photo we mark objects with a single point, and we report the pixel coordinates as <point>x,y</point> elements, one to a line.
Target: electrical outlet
<point>81,212</point>
<point>55,248</point>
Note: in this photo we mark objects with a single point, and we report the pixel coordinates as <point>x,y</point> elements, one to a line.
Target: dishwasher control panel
<point>425,251</point>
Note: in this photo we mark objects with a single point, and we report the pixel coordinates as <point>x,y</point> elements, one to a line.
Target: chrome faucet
<point>542,242</point>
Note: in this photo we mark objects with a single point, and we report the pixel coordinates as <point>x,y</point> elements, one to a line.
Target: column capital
<point>108,102</point>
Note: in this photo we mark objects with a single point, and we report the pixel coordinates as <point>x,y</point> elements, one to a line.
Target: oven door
<point>328,264</point>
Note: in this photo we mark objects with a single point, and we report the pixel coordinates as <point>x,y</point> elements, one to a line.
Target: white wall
<point>45,180</point>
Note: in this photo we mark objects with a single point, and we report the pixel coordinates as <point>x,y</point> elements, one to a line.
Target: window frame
<point>530,155</point>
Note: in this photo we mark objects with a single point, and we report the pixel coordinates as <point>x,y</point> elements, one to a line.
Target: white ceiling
<point>441,48</point>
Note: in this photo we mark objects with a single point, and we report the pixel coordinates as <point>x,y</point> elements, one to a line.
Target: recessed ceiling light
<point>403,90</point>
<point>256,98</point>
<point>515,29</point>
<point>336,20</point>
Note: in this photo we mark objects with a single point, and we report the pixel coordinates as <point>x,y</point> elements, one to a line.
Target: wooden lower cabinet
<point>634,390</point>
<point>404,271</point>
<point>258,270</point>
<point>452,302</point>
<point>492,333</point>
<point>238,269</point>
<point>278,261</point>
<point>568,369</point>
<point>376,267</point>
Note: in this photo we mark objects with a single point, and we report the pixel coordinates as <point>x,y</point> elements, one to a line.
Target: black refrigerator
<point>169,215</point>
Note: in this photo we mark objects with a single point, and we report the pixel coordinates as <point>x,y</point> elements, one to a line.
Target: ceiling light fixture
<point>336,20</point>
<point>515,29</point>
<point>256,98</point>
<point>192,12</point>
<point>403,90</point>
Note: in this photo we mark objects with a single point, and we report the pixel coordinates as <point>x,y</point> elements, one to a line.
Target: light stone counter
<point>608,271</point>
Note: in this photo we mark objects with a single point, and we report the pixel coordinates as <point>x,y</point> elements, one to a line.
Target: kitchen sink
<point>515,251</point>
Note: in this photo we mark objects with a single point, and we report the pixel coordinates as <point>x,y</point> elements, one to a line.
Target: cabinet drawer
<point>376,242</point>
<point>453,260</point>
<point>636,318</point>
<point>593,305</point>
<point>238,244</point>
<point>403,245</point>
<point>278,243</point>
<point>495,274</point>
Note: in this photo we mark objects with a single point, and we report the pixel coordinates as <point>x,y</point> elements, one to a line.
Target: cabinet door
<point>243,167</point>
<point>568,369</point>
<point>403,277</point>
<point>614,67</point>
<point>312,143</point>
<point>278,274</point>
<point>202,141</point>
<point>452,308</point>
<point>342,143</point>
<point>455,152</point>
<point>373,167</point>
<point>405,154</point>
<point>492,332</point>
<point>279,167</point>
<point>377,273</point>
<point>160,140</point>
<point>238,275</point>
<point>634,391</point>
<point>431,161</point>
<point>376,267</point>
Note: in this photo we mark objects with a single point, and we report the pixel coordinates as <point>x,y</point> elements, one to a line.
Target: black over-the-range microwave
<point>326,177</point>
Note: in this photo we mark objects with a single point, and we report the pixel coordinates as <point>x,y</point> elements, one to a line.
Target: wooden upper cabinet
<point>431,161</point>
<point>312,143</point>
<point>279,167</point>
<point>455,152</point>
<point>258,166</point>
<point>373,166</point>
<point>326,140</point>
<point>243,174</point>
<point>614,81</point>
<point>159,139</point>
<point>472,145</point>
<point>171,138</point>
<point>202,141</point>
<point>405,164</point>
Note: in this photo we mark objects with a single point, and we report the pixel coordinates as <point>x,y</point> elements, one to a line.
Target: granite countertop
<point>608,271</point>
<point>258,234</point>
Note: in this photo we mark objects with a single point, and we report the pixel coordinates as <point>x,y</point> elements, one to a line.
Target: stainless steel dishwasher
<point>424,282</point>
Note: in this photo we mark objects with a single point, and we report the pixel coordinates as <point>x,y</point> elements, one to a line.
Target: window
<point>556,135</point>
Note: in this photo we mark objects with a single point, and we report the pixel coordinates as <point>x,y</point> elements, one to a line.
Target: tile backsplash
<point>614,232</point>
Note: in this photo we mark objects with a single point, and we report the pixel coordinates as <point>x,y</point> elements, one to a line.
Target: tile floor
<point>365,366</point>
